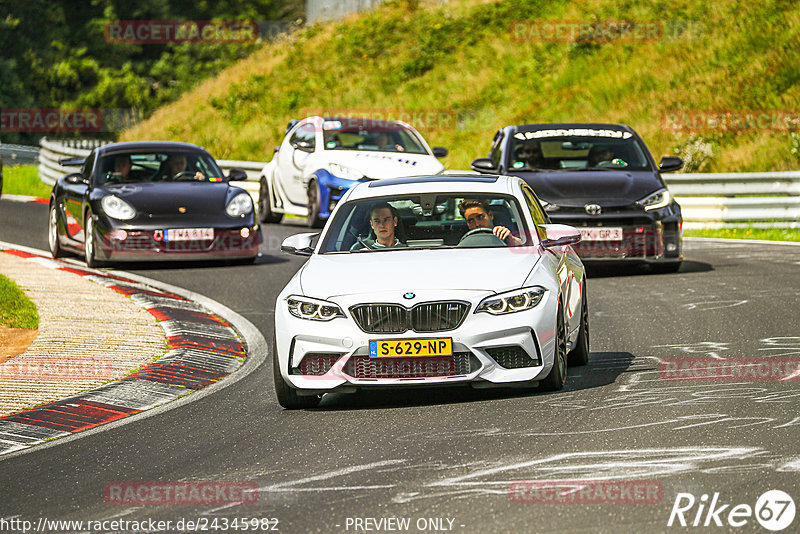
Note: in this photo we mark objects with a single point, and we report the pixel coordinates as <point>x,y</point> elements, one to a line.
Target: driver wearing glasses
<point>478,215</point>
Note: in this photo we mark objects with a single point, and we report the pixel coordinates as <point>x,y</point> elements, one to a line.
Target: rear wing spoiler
<point>71,162</point>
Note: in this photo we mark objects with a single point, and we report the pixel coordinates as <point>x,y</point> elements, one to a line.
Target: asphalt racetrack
<point>462,460</point>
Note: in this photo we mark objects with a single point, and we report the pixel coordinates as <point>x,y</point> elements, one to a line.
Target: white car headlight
<point>117,208</point>
<point>656,200</point>
<point>313,309</point>
<point>240,205</point>
<point>348,173</point>
<point>512,301</point>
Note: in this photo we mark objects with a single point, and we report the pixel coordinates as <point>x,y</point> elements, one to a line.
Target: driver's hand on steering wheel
<point>199,176</point>
<point>505,234</point>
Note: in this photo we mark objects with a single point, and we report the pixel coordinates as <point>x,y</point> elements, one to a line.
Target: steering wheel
<point>184,175</point>
<point>481,231</point>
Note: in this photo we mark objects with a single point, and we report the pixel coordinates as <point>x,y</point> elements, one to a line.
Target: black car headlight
<point>653,201</point>
<point>240,205</point>
<point>313,309</point>
<point>512,301</point>
<point>116,208</point>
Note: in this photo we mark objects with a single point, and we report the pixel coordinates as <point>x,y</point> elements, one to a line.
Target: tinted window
<point>157,166</point>
<point>368,134</point>
<point>575,149</point>
<point>307,133</point>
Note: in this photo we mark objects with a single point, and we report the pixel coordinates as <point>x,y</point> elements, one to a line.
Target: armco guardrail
<point>707,199</point>
<point>716,199</point>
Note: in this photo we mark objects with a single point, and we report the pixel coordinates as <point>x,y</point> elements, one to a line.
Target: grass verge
<point>766,234</point>
<point>16,309</point>
<point>24,180</point>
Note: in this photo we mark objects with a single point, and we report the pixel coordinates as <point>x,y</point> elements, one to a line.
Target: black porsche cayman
<point>600,178</point>
<point>155,200</point>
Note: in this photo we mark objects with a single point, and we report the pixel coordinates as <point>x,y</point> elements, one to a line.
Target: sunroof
<point>433,179</point>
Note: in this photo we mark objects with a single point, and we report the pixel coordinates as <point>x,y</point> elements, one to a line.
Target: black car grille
<point>460,363</point>
<point>512,357</point>
<point>396,319</point>
<point>315,364</point>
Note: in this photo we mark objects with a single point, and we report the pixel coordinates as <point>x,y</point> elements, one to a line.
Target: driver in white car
<point>478,215</point>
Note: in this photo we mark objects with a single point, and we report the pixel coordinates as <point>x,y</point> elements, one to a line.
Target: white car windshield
<point>370,134</point>
<point>455,220</point>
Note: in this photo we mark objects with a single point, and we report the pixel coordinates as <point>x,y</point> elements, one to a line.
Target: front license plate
<point>601,234</point>
<point>410,347</point>
<point>189,234</point>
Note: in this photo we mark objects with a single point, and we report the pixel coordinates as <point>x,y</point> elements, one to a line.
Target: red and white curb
<point>203,349</point>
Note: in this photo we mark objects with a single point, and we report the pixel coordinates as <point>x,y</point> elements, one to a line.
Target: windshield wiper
<point>578,169</point>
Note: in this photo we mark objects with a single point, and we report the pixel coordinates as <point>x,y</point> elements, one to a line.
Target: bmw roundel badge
<point>409,295</point>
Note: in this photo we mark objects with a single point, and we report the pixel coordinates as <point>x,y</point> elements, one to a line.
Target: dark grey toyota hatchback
<point>600,178</point>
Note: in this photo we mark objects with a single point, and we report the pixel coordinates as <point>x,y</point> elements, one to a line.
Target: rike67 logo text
<point>774,510</point>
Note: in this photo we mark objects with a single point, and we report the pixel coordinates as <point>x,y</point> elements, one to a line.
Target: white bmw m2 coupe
<point>431,281</point>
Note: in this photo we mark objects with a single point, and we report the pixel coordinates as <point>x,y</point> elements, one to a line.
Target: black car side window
<point>88,165</point>
<point>497,149</point>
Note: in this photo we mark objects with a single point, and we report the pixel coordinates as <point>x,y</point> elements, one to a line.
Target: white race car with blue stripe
<point>322,157</point>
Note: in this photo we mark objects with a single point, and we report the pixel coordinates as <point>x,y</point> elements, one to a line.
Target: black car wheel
<point>52,233</point>
<point>313,219</point>
<point>580,354</point>
<point>89,244</point>
<point>558,374</point>
<point>265,214</point>
<point>287,396</point>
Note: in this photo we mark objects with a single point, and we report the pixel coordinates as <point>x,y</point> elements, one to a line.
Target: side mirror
<point>236,174</point>
<point>559,235</point>
<point>670,164</point>
<point>440,151</point>
<point>305,146</point>
<point>76,179</point>
<point>483,165</point>
<point>299,244</point>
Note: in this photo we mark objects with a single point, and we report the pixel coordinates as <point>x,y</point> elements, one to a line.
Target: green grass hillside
<point>461,60</point>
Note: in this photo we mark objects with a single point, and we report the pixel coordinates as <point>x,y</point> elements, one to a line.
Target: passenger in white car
<point>383,221</point>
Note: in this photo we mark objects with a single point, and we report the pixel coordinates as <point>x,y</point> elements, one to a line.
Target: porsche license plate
<point>601,234</point>
<point>410,347</point>
<point>189,234</point>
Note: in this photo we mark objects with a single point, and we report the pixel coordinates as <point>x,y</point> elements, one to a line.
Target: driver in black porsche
<point>478,215</point>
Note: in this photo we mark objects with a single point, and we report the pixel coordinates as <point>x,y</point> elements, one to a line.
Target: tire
<point>265,213</point>
<point>580,354</point>
<point>52,233</point>
<point>558,374</point>
<point>89,244</point>
<point>313,220</point>
<point>287,396</point>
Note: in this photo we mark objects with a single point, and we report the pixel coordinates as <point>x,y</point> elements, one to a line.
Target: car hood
<point>606,188</point>
<point>496,270</point>
<point>166,198</point>
<point>388,164</point>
